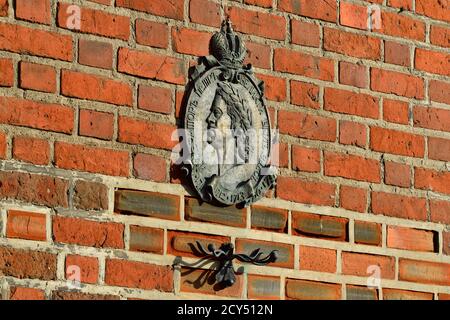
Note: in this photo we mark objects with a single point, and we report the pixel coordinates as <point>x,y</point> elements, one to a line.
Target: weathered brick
<point>26,264</point>
<point>96,124</point>
<point>357,264</point>
<point>397,174</point>
<point>204,12</point>
<point>352,198</point>
<point>37,77</point>
<point>189,283</point>
<point>397,53</point>
<point>353,15</point>
<point>361,293</point>
<point>308,126</point>
<point>171,9</point>
<point>348,102</point>
<point>352,133</point>
<point>149,167</point>
<point>88,233</point>
<point>3,145</point>
<point>26,225</point>
<point>424,272</point>
<point>202,211</point>
<point>37,115</point>
<point>352,44</point>
<point>285,252</point>
<point>305,159</point>
<point>270,219</point>
<point>150,33</point>
<point>263,287</point>
<point>31,150</point>
<point>151,204</point>
<point>397,142</point>
<point>396,294</point>
<point>403,4</point>
<point>76,295</point>
<point>317,259</point>
<point>438,181</point>
<point>446,244</point>
<point>275,87</point>
<point>398,25</point>
<point>32,188</point>
<point>395,111</point>
<point>353,74</point>
<point>95,54</point>
<point>88,267</point>
<point>89,195</point>
<point>21,293</point>
<point>6,72</point>
<point>319,226</point>
<point>305,94</point>
<point>146,239</point>
<point>397,83</point>
<point>184,243</point>
<point>399,206</point>
<point>91,159</point>
<point>258,55</point>
<point>305,34</point>
<point>303,191</point>
<point>351,167</point>
<point>410,239</point>
<point>367,233</point>
<point>190,41</point>
<point>439,91</point>
<point>432,61</point>
<point>320,9</point>
<point>440,36</point>
<point>312,290</point>
<point>440,211</point>
<point>155,99</point>
<point>431,118</point>
<point>34,10</point>
<point>4,6</point>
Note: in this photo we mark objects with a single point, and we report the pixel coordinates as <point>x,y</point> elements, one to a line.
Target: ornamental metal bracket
<point>225,256</point>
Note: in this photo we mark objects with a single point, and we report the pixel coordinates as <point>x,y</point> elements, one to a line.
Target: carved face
<point>218,118</point>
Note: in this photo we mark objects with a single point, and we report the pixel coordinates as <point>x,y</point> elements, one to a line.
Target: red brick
<point>283,160</point>
<point>395,111</point>
<point>439,149</point>
<point>6,73</point>
<point>184,243</point>
<point>317,259</point>
<point>96,22</point>
<point>305,34</point>
<point>189,283</point>
<point>440,36</point>
<point>348,102</point>
<point>37,77</point>
<point>352,15</point>
<point>298,190</point>
<point>149,167</point>
<point>395,294</point>
<point>26,40</point>
<point>356,264</point>
<point>397,53</point>
<point>151,66</point>
<point>43,116</point>
<point>205,12</point>
<point>88,86</point>
<point>351,167</point>
<point>37,189</point>
<point>312,290</point>
<point>352,198</point>
<point>436,9</point>
<point>26,264</point>
<point>105,2</point>
<point>367,233</point>
<point>397,174</point>
<point>305,159</point>
<point>95,54</point>
<point>31,150</point>
<point>258,23</point>
<point>285,252</point>
<point>171,9</point>
<point>438,181</point>
<point>446,245</point>
<point>149,134</point>
<point>4,6</point>
<point>26,225</point>
<point>305,94</point>
<point>320,9</point>
<point>397,25</point>
<point>432,61</point>
<point>352,133</point>
<point>424,272</point>
<point>96,124</point>
<point>269,219</point>
<point>431,118</point>
<point>261,3</point>
<point>134,274</point>
<point>258,55</point>
<point>88,233</point>
<point>3,145</point>
<point>351,44</point>
<point>319,226</point>
<point>397,83</point>
<point>396,142</point>
<point>190,41</point>
<point>403,4</point>
<point>410,239</point>
<point>290,61</point>
<point>150,33</point>
<point>34,10</point>
<point>180,102</point>
<point>353,74</point>
<point>21,293</point>
<point>443,296</point>
<point>263,287</point>
<point>146,239</point>
<point>399,206</point>
<point>88,268</point>
<point>91,159</point>
<point>155,99</point>
<point>439,91</point>
<point>89,195</point>
<point>307,126</point>
<point>275,87</point>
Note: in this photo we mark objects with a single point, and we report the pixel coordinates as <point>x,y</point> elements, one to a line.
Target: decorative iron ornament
<point>227,126</point>
<point>225,255</point>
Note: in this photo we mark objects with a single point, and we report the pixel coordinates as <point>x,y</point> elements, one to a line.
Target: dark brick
<point>368,233</point>
<point>75,295</point>
<point>263,287</point>
<point>146,239</point>
<point>269,218</point>
<point>285,251</point>
<point>184,243</point>
<point>361,293</point>
<point>311,290</point>
<point>24,264</point>
<point>314,225</point>
<point>90,195</point>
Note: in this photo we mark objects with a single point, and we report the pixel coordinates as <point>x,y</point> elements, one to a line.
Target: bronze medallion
<point>227,126</point>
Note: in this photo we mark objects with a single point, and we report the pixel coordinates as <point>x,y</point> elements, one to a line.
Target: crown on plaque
<point>227,47</point>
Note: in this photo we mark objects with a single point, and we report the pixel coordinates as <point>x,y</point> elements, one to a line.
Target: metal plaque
<point>228,137</point>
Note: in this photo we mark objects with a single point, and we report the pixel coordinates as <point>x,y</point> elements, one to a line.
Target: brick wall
<point>86,184</point>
